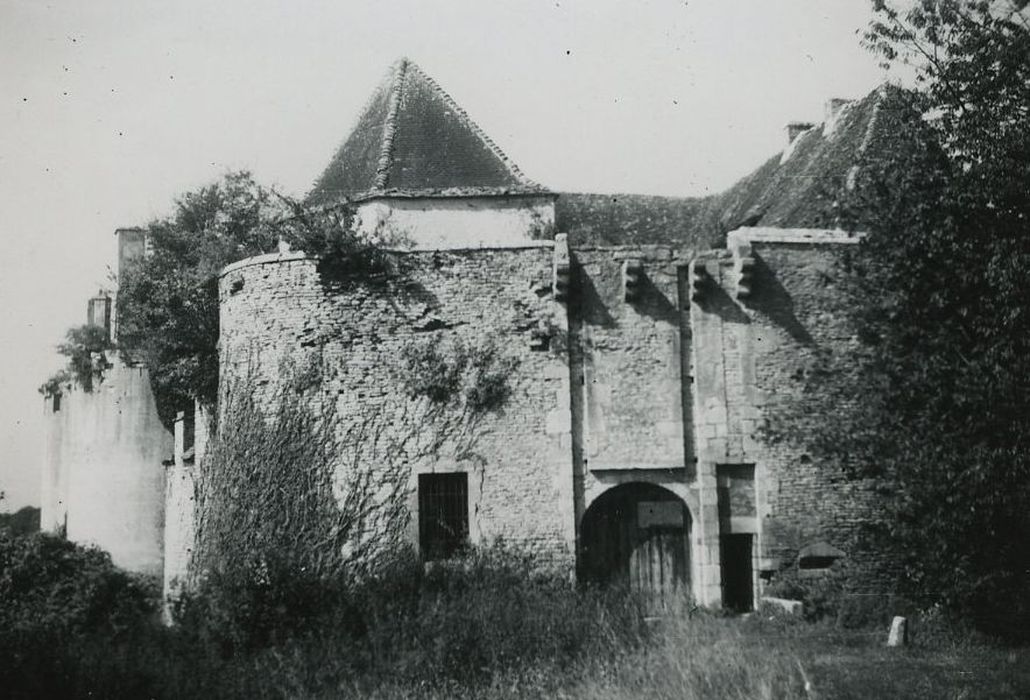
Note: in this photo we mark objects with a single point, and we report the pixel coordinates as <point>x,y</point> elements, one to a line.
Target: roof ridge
<point>385,161</point>
<point>874,117</point>
<point>464,116</point>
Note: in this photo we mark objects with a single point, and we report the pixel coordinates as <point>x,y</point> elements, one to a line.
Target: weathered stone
<point>791,607</point>
<point>898,636</point>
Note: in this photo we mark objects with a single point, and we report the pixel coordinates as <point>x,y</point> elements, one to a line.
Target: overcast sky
<point>111,109</point>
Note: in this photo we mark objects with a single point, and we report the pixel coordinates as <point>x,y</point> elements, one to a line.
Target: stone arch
<point>636,534</point>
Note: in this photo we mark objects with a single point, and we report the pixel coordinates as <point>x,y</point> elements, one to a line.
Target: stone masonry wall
<point>290,309</point>
<point>630,372</point>
<point>751,353</point>
<point>797,315</point>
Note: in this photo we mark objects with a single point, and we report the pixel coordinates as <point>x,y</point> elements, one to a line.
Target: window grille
<point>443,517</point>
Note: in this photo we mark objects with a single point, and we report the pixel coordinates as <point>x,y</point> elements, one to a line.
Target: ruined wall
<point>289,309</point>
<point>429,223</point>
<point>104,473</point>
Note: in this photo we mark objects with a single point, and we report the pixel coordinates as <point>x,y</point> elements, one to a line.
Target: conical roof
<point>412,139</point>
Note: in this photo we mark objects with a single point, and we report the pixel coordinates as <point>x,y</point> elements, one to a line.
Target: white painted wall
<point>440,223</point>
<point>105,469</point>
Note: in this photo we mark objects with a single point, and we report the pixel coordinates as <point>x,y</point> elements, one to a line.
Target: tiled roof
<point>799,188</point>
<point>795,189</point>
<point>623,219</point>
<point>412,139</point>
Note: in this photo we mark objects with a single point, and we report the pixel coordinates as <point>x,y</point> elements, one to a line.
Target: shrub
<point>49,583</point>
<point>822,596</point>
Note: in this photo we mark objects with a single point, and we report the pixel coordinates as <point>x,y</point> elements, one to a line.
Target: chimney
<point>98,312</point>
<point>132,244</point>
<point>795,129</point>
<point>834,107</point>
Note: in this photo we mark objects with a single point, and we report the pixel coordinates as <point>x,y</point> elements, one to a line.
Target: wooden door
<point>658,561</point>
<point>637,535</point>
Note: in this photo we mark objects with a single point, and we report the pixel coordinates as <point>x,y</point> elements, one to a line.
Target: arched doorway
<point>637,535</point>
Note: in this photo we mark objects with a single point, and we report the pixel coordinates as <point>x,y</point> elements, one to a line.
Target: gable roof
<point>794,189</point>
<point>412,139</point>
<point>799,188</point>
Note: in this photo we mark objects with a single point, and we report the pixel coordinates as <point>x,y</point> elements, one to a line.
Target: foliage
<point>821,596</point>
<point>286,492</point>
<point>931,406</point>
<point>48,583</point>
<point>448,371</point>
<point>23,521</point>
<point>84,346</point>
<point>56,382</point>
<point>168,299</point>
<point>494,625</point>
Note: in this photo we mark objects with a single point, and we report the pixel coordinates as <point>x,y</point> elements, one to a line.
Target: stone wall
<point>629,351</point>
<point>751,352</point>
<point>287,310</point>
<point>657,366</point>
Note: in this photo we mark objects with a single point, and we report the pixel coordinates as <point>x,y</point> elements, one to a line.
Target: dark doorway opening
<point>738,588</point>
<point>636,535</point>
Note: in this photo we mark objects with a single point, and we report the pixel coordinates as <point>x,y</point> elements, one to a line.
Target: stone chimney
<point>795,129</point>
<point>834,107</point>
<point>132,244</point>
<point>98,312</point>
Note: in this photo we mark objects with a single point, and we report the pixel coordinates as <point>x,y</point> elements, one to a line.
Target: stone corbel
<point>744,270</point>
<point>632,279</point>
<point>562,268</point>
<point>699,280</point>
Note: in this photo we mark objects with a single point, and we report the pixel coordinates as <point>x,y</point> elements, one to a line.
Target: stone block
<point>898,635</point>
<point>790,607</point>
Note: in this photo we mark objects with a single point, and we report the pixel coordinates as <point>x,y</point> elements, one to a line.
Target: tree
<point>85,347</point>
<point>168,300</point>
<point>938,297</point>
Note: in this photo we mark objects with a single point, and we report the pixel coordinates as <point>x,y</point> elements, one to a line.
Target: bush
<point>52,584</point>
<point>58,601</point>
<point>822,596</point>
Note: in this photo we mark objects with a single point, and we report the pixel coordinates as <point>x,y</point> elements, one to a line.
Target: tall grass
<point>492,624</point>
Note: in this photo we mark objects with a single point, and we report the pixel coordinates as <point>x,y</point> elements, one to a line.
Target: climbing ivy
<point>449,371</point>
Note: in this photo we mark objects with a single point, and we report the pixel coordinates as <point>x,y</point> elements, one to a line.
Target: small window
<point>57,402</point>
<point>818,558</point>
<point>188,431</point>
<point>443,515</point>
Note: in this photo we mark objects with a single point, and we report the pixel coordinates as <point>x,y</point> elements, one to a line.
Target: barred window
<point>443,516</point>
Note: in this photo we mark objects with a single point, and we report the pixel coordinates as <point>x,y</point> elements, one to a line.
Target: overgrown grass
<point>492,625</point>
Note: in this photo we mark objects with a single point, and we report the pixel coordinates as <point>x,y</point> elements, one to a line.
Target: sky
<point>109,110</point>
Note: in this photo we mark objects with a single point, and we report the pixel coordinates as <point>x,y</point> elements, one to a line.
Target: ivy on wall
<point>455,370</point>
